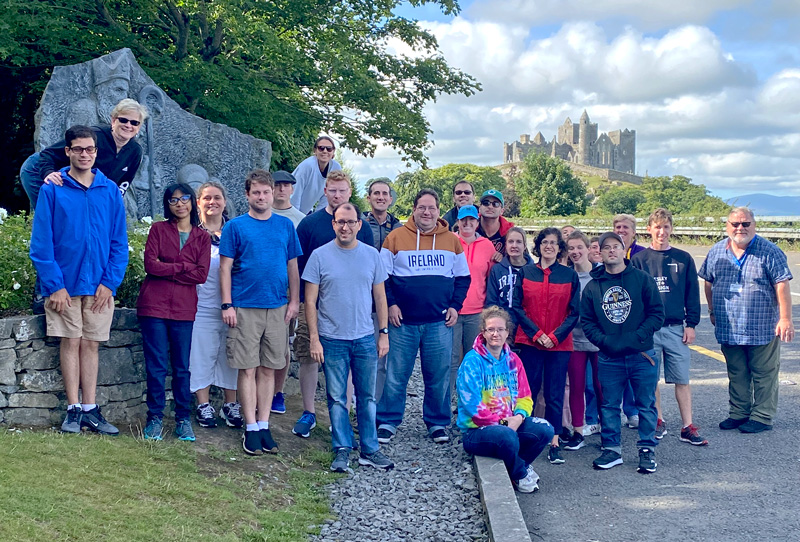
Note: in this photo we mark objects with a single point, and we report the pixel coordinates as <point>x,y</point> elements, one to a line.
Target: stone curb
<point>503,515</point>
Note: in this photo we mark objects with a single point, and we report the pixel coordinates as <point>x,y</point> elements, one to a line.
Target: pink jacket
<point>479,260</point>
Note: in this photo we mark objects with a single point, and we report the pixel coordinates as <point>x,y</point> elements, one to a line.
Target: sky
<point>712,88</point>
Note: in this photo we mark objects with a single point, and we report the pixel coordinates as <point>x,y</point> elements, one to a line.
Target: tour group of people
<point>577,331</point>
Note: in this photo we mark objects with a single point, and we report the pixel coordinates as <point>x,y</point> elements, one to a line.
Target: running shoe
<point>690,434</point>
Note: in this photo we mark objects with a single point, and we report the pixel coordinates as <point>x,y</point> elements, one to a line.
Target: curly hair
<point>562,246</point>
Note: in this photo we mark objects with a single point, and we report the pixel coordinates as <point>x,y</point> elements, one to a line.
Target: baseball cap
<point>468,210</point>
<point>495,194</point>
<point>283,177</point>
<point>610,235</point>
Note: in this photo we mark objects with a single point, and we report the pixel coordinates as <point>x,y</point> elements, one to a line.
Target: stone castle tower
<point>580,144</point>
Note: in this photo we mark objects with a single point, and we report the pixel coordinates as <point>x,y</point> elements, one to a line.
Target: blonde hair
<point>624,216</point>
<point>494,312</point>
<point>658,216</point>
<point>130,105</point>
<point>337,176</point>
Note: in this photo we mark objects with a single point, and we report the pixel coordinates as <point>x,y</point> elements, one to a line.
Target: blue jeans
<point>517,448</point>
<point>434,342</point>
<point>628,403</point>
<point>552,368</point>
<point>617,373</point>
<point>167,342</point>
<point>30,179</point>
<point>592,412</point>
<point>361,357</point>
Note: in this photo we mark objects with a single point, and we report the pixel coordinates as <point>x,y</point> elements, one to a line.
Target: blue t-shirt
<point>260,250</point>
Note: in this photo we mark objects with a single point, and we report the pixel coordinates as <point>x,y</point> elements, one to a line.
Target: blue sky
<point>712,88</point>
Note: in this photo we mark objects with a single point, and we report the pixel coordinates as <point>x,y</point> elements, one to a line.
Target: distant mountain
<point>767,205</point>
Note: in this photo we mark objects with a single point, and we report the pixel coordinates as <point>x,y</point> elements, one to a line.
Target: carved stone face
<point>109,94</point>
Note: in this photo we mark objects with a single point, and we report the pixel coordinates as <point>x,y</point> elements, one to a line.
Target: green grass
<point>90,488</point>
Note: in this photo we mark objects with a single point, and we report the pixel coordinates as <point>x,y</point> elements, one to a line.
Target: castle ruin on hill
<point>578,144</point>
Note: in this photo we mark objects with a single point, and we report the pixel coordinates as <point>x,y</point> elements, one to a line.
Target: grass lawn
<point>92,488</point>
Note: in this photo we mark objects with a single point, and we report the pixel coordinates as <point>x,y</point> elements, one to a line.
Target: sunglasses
<point>491,203</point>
<point>460,192</point>
<point>124,120</point>
<point>184,198</point>
<point>81,150</point>
<point>742,224</point>
<point>325,148</point>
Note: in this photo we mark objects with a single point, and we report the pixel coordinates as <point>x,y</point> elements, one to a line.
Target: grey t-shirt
<point>345,278</point>
<point>579,341</point>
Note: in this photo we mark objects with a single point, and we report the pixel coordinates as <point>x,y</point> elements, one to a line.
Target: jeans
<point>552,368</point>
<point>434,342</point>
<point>517,448</point>
<point>167,342</point>
<point>617,373</point>
<point>30,179</point>
<point>380,376</point>
<point>592,407</point>
<point>361,357</point>
<point>464,332</point>
<point>628,404</point>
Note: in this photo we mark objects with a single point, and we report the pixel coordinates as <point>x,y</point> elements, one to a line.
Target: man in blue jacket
<point>79,247</point>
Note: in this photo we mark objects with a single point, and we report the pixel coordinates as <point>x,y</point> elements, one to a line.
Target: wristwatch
<point>226,306</point>
<point>384,331</point>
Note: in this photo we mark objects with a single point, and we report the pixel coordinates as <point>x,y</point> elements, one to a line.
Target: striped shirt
<point>744,298</point>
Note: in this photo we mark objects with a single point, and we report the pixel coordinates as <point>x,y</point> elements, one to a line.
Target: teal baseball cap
<point>495,194</point>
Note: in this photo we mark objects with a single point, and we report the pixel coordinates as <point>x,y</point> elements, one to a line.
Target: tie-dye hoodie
<point>490,389</point>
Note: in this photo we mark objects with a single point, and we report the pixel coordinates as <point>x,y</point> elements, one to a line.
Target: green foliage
<point>443,179</point>
<point>282,70</point>
<point>547,186</point>
<point>128,291</point>
<point>621,199</point>
<point>680,196</point>
<point>17,275</point>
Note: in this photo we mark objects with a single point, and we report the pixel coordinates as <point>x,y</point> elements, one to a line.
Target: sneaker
<point>153,429</point>
<point>184,431</point>
<point>647,461</point>
<point>608,459</point>
<point>529,484</point>
<point>532,472</point>
<point>232,414</point>
<point>440,436</point>
<point>268,444</point>
<point>95,421</point>
<point>565,435</point>
<point>589,430</point>
<point>305,424</point>
<point>554,455</point>
<point>278,403</point>
<point>376,459</point>
<point>751,426</point>
<point>204,414</point>
<point>661,429</point>
<point>341,463</point>
<point>732,423</point>
<point>633,421</point>
<point>251,442</point>
<point>575,442</point>
<point>72,422</point>
<point>384,436</point>
<point>689,434</point>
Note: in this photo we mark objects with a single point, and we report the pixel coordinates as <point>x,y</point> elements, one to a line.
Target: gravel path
<point>430,495</point>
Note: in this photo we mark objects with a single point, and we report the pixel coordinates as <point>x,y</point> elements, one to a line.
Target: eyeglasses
<point>325,148</point>
<point>350,223</point>
<point>491,203</point>
<point>81,150</point>
<point>742,224</point>
<point>184,198</point>
<point>493,330</point>
<point>550,243</point>
<point>124,120</point>
<point>463,192</point>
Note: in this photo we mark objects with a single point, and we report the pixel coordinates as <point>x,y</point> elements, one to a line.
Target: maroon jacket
<point>169,290</point>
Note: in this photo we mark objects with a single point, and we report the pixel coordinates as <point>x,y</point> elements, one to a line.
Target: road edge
<point>503,514</point>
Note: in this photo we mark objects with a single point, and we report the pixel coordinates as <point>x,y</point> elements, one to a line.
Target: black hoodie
<point>504,288</point>
<point>621,312</point>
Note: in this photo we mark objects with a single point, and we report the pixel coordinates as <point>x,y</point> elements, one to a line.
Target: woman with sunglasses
<point>309,192</point>
<point>176,258</point>
<point>118,156</point>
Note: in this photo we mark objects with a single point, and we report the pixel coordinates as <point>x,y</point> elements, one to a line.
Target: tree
<point>621,199</point>
<point>680,196</point>
<point>282,70</point>
<point>547,187</point>
<point>443,179</point>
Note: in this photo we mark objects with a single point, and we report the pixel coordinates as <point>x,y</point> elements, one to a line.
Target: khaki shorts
<point>302,341</point>
<point>78,321</point>
<point>259,339</point>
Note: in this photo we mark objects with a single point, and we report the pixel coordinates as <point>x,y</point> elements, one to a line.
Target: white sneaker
<point>529,484</point>
<point>633,421</point>
<point>592,429</point>
<point>532,472</point>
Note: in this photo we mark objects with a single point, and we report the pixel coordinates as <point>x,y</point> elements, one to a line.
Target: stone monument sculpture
<point>171,138</point>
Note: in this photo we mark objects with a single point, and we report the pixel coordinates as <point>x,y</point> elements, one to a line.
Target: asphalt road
<point>738,488</point>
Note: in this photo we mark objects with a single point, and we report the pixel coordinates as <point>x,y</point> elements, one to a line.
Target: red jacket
<point>479,260</point>
<point>551,302</point>
<point>169,290</point>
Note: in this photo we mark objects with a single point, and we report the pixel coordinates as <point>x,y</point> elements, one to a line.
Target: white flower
<point>17,285</point>
<point>3,215</point>
<point>130,248</point>
<point>147,220</point>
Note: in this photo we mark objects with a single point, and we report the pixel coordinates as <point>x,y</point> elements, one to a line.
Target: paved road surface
<point>739,488</point>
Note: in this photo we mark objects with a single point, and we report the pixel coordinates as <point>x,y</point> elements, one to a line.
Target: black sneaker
<point>384,436</point>
<point>647,461</point>
<point>72,422</point>
<point>554,455</point>
<point>341,462</point>
<point>95,421</point>
<point>376,459</point>
<point>268,444</point>
<point>232,414</point>
<point>691,435</point>
<point>731,423</point>
<point>661,429</point>
<point>607,460</point>
<point>575,442</point>
<point>204,414</point>
<point>753,426</point>
<point>251,442</point>
<point>565,435</point>
<point>439,436</point>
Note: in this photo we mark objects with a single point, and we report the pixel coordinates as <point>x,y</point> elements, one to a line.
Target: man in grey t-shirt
<point>345,275</point>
